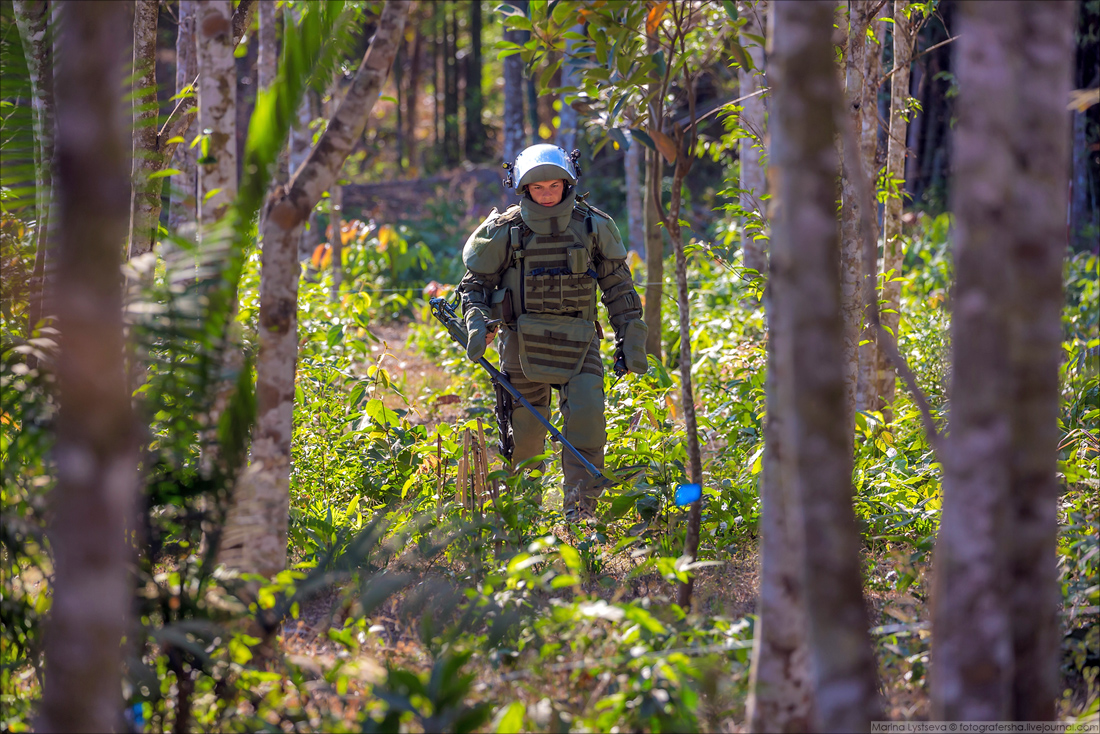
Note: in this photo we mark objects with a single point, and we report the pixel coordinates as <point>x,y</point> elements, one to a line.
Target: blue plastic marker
<point>688,493</point>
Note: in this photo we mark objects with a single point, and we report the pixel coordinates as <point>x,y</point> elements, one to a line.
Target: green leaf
<point>510,718</point>
<point>165,173</point>
<point>643,137</point>
<point>731,9</point>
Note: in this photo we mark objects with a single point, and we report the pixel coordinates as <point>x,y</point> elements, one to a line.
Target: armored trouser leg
<point>582,408</point>
<point>529,435</point>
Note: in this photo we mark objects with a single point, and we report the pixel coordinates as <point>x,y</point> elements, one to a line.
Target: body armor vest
<point>550,273</point>
<point>548,294</point>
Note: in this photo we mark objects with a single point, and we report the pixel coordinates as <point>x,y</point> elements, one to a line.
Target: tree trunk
<point>781,686</point>
<point>450,89</point>
<point>972,635</point>
<point>635,181</point>
<point>96,450</point>
<point>32,19</point>
<point>336,243</point>
<point>654,237</point>
<point>1044,54</point>
<point>1081,211</point>
<point>179,123</point>
<point>145,198</point>
<point>870,358</point>
<point>851,246</point>
<point>687,394</point>
<point>256,542</point>
<point>570,77</point>
<point>476,141</point>
<point>514,91</point>
<point>893,248</point>
<point>412,101</point>
<point>267,64</point>
<point>183,206</point>
<point>217,110</point>
<point>654,253</point>
<point>752,150</point>
<point>802,132</point>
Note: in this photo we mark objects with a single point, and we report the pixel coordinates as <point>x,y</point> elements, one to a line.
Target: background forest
<point>246,476</point>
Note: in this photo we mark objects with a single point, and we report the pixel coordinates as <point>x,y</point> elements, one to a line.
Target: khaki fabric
<point>581,401</point>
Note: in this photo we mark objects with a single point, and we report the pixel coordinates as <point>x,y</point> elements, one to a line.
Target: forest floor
<point>900,619</point>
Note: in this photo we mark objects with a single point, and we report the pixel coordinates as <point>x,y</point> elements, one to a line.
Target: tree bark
<point>256,542</point>
<point>179,122</point>
<point>870,358</point>
<point>514,91</point>
<point>654,238</point>
<point>336,243</point>
<point>183,206</point>
<point>635,181</point>
<point>851,247</point>
<point>450,89</point>
<point>781,685</point>
<point>32,20</point>
<point>476,141</point>
<point>412,102</point>
<point>802,132</point>
<point>893,247</point>
<point>972,635</point>
<point>96,450</point>
<point>687,394</point>
<point>267,64</point>
<point>654,253</point>
<point>217,110</point>
<point>752,150</point>
<point>145,197</point>
<point>1044,55</point>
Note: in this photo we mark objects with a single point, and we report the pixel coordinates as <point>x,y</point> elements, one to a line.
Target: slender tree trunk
<point>32,19</point>
<point>439,32</point>
<point>781,686</point>
<point>751,151</point>
<point>450,91</point>
<point>870,358</point>
<point>654,238</point>
<point>893,248</point>
<point>267,64</point>
<point>804,100</point>
<point>183,207</point>
<point>687,393</point>
<point>1081,212</point>
<point>217,110</point>
<point>654,253</point>
<point>256,541</point>
<point>145,198</point>
<point>570,77</point>
<point>1044,54</point>
<point>96,451</point>
<point>336,243</point>
<point>476,141</point>
<point>972,634</point>
<point>412,102</point>
<point>514,91</point>
<point>533,112</point>
<point>633,158</point>
<point>851,247</point>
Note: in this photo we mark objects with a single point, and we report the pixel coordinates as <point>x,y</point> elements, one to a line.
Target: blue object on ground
<point>688,493</point>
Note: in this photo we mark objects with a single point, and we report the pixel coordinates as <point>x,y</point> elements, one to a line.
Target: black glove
<point>476,331</point>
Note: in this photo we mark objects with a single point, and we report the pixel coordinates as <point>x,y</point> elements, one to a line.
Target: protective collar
<point>548,219</point>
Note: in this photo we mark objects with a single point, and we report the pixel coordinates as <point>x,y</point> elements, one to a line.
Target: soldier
<point>535,267</point>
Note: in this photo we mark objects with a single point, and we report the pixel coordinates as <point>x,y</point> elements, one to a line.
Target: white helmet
<point>543,162</point>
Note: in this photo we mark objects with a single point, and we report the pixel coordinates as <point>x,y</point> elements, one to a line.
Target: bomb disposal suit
<point>536,269</point>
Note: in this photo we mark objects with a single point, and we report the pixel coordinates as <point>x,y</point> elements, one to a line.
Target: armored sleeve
<point>485,256</point>
<point>622,301</point>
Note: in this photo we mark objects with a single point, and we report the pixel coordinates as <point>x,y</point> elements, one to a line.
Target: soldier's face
<point>547,193</point>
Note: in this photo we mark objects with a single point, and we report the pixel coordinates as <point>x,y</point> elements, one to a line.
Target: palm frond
<point>17,135</point>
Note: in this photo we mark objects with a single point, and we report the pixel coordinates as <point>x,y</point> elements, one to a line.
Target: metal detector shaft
<point>457,329</point>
